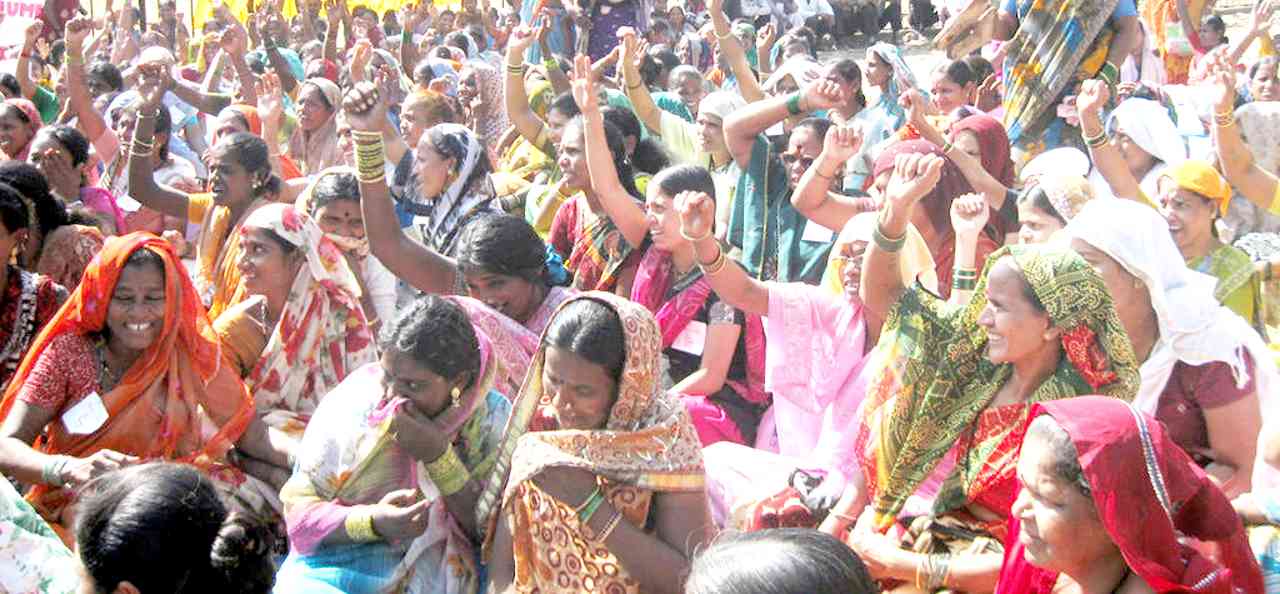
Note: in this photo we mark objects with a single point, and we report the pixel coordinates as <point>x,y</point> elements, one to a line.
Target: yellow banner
<point>203,9</point>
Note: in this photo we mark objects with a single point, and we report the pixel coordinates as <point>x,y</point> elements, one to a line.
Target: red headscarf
<point>1148,494</point>
<point>994,142</point>
<point>180,378</point>
<point>34,121</point>
<point>950,186</point>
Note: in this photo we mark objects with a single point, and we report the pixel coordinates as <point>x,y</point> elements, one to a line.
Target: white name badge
<point>86,416</point>
<point>817,233</point>
<point>692,339</point>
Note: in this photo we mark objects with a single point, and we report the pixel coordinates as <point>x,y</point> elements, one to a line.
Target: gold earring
<point>455,395</point>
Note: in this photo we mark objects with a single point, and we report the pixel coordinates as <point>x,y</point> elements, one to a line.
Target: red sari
<point>1150,497</point>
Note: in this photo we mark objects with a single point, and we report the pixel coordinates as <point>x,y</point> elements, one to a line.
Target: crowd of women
<point>614,297</point>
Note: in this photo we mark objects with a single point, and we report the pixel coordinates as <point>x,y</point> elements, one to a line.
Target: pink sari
<point>653,280</point>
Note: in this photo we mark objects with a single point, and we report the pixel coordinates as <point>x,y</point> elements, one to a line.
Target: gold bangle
<point>448,473</point>
<point>359,526</point>
<point>716,265</point>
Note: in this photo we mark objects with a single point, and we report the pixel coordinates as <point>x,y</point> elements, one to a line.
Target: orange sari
<point>177,402</point>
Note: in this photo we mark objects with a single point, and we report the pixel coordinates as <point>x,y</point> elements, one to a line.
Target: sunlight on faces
<point>1060,529</point>
<point>404,377</point>
<point>946,94</point>
<point>1264,85</point>
<point>967,142</point>
<point>229,181</point>
<point>803,148</point>
<point>1122,285</point>
<point>1136,158</point>
<point>850,258</point>
<point>1015,326</point>
<point>581,392</point>
<point>691,91</point>
<point>512,296</point>
<point>878,71</point>
<point>663,220</point>
<point>341,217</point>
<point>15,132</point>
<point>229,122</point>
<point>1036,226</point>
<point>314,111</point>
<point>266,267</point>
<point>135,315</point>
<point>710,138</point>
<point>557,121</point>
<point>432,168</point>
<point>572,157</point>
<point>417,119</point>
<point>1190,215</point>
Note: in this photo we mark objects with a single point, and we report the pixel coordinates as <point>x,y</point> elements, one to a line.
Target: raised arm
<point>1256,184</point>
<point>1258,25</point>
<point>526,122</point>
<point>30,34</point>
<point>89,120</point>
<point>620,206</point>
<point>742,128</point>
<point>913,177</point>
<point>1106,158</point>
<point>813,197</point>
<point>416,264</point>
<point>413,16</point>
<point>1128,35</point>
<point>734,54</point>
<point>969,214</point>
<point>765,39</point>
<point>970,166</point>
<point>734,286</point>
<point>633,81</point>
<point>142,183</point>
<point>235,42</point>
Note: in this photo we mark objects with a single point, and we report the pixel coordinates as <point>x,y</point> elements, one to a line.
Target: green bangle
<point>590,506</point>
<point>551,64</point>
<point>1109,73</point>
<point>793,104</point>
<point>886,243</point>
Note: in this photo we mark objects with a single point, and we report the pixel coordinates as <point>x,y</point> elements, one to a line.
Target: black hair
<point>648,156</point>
<point>849,70</point>
<point>502,244</point>
<point>779,561</point>
<point>565,104</point>
<point>684,178</point>
<point>1066,463</point>
<point>106,71</point>
<point>1037,198</point>
<point>655,63</point>
<point>590,329</point>
<point>29,183</point>
<point>163,528</point>
<point>9,83</point>
<point>618,150</point>
<point>163,125</point>
<point>70,138</point>
<point>357,10</point>
<point>450,148</point>
<point>958,71</point>
<point>979,66</point>
<point>334,186</point>
<point>1219,26</point>
<point>818,125</point>
<point>13,211</point>
<point>458,39</point>
<point>57,51</point>
<point>250,151</point>
<point>438,335</point>
<point>145,257</point>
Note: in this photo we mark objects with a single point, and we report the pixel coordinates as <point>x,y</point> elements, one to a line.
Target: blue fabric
<point>351,568</point>
<point>1126,8</point>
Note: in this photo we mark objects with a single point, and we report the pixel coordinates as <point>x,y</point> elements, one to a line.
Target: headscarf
<point>34,122</point>
<point>800,69</point>
<point>1066,160</point>
<point>491,117</point>
<point>929,395</point>
<point>952,184</point>
<point>319,149</point>
<point>903,78</point>
<point>994,143</point>
<point>1200,177</point>
<point>721,104</point>
<point>1194,327</point>
<point>322,334</point>
<point>1067,193</point>
<point>177,402</point>
<point>914,260</point>
<point>251,117</point>
<point>1148,124</point>
<point>648,442</point>
<point>328,70</point>
<point>444,214</point>
<point>1149,496</point>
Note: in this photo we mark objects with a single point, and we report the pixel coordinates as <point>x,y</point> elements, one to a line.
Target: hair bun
<point>242,553</point>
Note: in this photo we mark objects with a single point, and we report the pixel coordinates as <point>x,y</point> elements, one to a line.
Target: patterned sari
<point>929,407</point>
<point>1057,45</point>
<point>349,459</point>
<point>649,446</point>
<point>33,559</point>
<point>1238,287</point>
<point>594,250</point>
<point>178,402</point>
<point>218,277</point>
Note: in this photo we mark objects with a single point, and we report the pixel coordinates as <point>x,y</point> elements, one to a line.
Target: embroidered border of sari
<point>203,406</point>
<point>936,380</point>
<point>1056,44</point>
<point>599,251</point>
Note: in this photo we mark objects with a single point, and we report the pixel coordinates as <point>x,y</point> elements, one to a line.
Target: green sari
<point>1238,287</point>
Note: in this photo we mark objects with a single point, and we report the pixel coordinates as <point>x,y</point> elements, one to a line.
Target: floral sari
<point>648,446</point>
<point>928,415</point>
<point>178,402</point>
<point>33,559</point>
<point>349,459</point>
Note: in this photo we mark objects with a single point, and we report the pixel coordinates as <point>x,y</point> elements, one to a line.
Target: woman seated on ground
<point>53,247</point>
<point>778,561</point>
<point>314,143</point>
<point>506,265</point>
<point>634,510</point>
<point>34,558</point>
<point>1046,208</point>
<point>941,421</point>
<point>62,155</point>
<point>714,353</point>
<point>132,340</point>
<point>301,331</point>
<point>27,300</point>
<point>1107,503</point>
<point>163,528</point>
<point>333,202</point>
<point>384,493</point>
<point>1143,144</point>
<point>1204,371</point>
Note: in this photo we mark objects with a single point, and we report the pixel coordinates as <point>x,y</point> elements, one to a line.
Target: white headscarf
<point>447,210</point>
<point>1194,327</point>
<point>1149,125</point>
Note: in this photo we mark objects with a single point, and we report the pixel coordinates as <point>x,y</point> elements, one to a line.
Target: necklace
<point>107,379</point>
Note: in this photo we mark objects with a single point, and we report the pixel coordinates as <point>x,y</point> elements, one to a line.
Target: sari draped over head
<point>491,115</point>
<point>1260,126</point>
<point>177,402</point>
<point>1056,45</point>
<point>903,80</point>
<point>349,459</point>
<point>318,150</point>
<point>1150,496</point>
<point>1067,193</point>
<point>993,141</point>
<point>932,395</point>
<point>443,217</point>
<point>322,334</point>
<point>914,260</point>
<point>218,251</point>
<point>1194,327</point>
<point>512,345</point>
<point>1148,124</point>
<point>648,445</point>
<point>34,122</point>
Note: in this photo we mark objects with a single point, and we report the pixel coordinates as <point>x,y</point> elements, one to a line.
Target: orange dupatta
<point>218,251</point>
<point>167,398</point>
